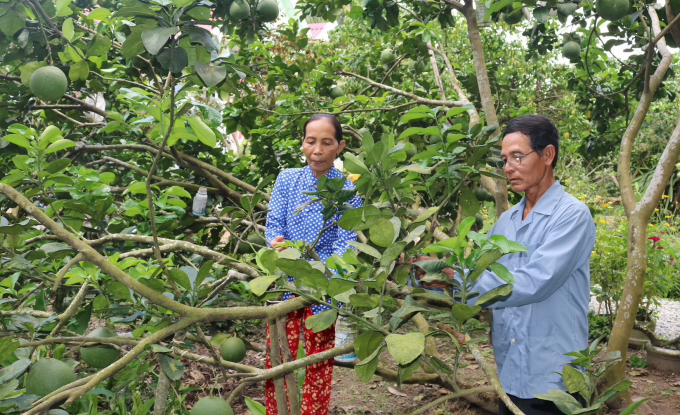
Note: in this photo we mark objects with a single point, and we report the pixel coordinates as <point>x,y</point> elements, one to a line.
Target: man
<point>546,315</point>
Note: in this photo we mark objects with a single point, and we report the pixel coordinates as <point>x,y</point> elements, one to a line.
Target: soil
<point>352,397</point>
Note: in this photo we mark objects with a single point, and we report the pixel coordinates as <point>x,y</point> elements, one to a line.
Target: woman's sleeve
<point>341,243</point>
<point>276,218</point>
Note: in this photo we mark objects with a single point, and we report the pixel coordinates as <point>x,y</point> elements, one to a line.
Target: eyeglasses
<point>515,161</point>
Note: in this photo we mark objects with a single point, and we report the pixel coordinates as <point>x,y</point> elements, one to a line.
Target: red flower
<point>654,239</point>
<point>672,260</point>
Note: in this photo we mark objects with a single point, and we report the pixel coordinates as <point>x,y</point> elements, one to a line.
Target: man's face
<point>533,168</point>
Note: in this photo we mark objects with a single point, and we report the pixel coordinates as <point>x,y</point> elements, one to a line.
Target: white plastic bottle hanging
<point>345,332</point>
<point>200,201</point>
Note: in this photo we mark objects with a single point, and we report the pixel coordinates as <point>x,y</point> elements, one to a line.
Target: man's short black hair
<point>540,130</point>
<point>331,119</point>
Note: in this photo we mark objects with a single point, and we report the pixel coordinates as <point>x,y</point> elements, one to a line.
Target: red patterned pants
<point>316,394</point>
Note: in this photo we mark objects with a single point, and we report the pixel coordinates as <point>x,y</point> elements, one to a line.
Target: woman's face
<point>320,146</point>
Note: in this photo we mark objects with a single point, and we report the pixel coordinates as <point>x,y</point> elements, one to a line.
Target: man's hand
<point>277,241</point>
<point>420,273</point>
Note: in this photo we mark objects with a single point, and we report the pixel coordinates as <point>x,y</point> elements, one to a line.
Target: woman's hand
<point>277,241</point>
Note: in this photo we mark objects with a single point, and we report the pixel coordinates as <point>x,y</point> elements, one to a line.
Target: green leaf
<point>261,284</point>
<point>174,59</point>
<point>80,71</point>
<point>59,145</point>
<point>100,13</point>
<point>366,368</point>
<point>27,72</point>
<point>13,21</point>
<point>180,277</point>
<point>362,300</point>
<point>425,215</point>
<point>266,259</point>
<point>294,267</point>
<point>432,266</point>
<point>502,272</point>
<point>353,164</point>
<point>469,202</point>
<point>7,347</point>
<point>629,410</point>
<point>367,343</point>
<point>359,219</point>
<point>67,29</point>
<point>464,312</point>
<point>14,370</point>
<point>541,14</point>
<point>564,402</point>
<point>405,348</point>
<point>315,279</point>
<point>133,45</point>
<point>202,131</point>
<point>118,290</point>
<point>382,233</point>
<point>154,39</point>
<point>392,253</point>
<point>18,140</point>
<point>500,291</point>
<point>211,75</point>
<point>174,369</point>
<point>366,249</point>
<point>338,286</point>
<point>8,388</point>
<point>483,263</point>
<point>100,46</point>
<point>255,407</point>
<point>322,321</point>
<point>203,273</point>
<point>177,191</point>
<point>573,379</point>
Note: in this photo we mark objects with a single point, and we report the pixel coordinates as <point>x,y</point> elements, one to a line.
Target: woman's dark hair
<point>330,118</point>
<point>540,130</point>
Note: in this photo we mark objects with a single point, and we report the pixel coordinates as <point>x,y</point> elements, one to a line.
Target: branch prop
<point>72,309</point>
<point>87,107</point>
<point>274,352</point>
<point>292,389</point>
<point>491,374</point>
<point>416,98</point>
<point>62,272</point>
<point>244,369</point>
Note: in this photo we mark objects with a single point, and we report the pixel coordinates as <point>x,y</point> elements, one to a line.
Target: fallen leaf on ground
<point>641,372</point>
<point>393,391</point>
<point>473,367</point>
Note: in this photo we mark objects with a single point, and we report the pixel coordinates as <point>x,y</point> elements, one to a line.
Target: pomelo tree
<point>97,185</point>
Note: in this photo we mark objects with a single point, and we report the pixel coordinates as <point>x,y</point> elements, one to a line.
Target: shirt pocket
<point>524,257</point>
<point>541,352</point>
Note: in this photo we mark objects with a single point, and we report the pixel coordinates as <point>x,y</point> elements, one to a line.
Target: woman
<point>322,144</point>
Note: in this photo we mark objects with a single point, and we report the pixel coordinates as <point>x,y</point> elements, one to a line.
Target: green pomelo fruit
<point>337,92</point>
<point>57,412</point>
<point>433,139</point>
<point>233,350</point>
<point>482,194</point>
<point>48,375</point>
<point>513,17</point>
<point>675,6</point>
<point>254,238</point>
<point>416,66</point>
<point>612,10</point>
<point>479,220</point>
<point>566,9</point>
<point>211,406</point>
<point>100,356</point>
<point>49,83</point>
<point>218,339</point>
<point>268,10</point>
<point>387,56</point>
<point>571,50</point>
<point>239,10</point>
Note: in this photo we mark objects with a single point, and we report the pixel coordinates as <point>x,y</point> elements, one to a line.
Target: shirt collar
<point>308,175</point>
<point>546,204</point>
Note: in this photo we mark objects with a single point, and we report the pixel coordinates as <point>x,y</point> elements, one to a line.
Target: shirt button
<point>513,340</point>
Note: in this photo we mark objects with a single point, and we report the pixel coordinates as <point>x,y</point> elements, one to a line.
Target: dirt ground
<point>351,397</point>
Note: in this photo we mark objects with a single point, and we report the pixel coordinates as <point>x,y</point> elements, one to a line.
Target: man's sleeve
<point>568,243</point>
<point>276,218</point>
<point>344,237</point>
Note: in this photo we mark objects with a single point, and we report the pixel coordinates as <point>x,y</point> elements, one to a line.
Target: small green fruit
<point>233,350</point>
<point>387,56</point>
<point>433,139</point>
<point>571,50</point>
<point>49,83</point>
<point>612,10</point>
<point>239,10</point>
<point>416,67</point>
<point>211,406</point>
<point>479,220</point>
<point>337,92</point>
<point>268,10</point>
<point>512,17</point>
<point>48,375</point>
<point>100,356</point>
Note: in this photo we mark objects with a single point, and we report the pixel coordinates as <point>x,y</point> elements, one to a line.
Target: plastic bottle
<point>345,332</point>
<point>200,201</point>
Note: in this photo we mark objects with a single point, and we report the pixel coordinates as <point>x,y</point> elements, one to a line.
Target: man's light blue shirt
<point>546,315</point>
